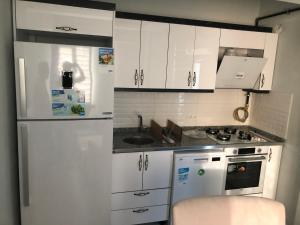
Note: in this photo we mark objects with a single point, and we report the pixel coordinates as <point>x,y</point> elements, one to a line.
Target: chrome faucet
<point>140,128</point>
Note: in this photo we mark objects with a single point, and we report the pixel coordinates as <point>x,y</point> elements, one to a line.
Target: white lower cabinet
<point>140,215</point>
<point>137,199</point>
<point>272,171</point>
<point>141,187</point>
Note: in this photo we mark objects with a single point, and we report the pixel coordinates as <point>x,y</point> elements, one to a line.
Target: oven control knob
<point>235,151</point>
<point>259,150</point>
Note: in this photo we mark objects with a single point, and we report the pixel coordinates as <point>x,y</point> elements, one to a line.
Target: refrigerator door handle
<point>24,158</point>
<point>23,97</point>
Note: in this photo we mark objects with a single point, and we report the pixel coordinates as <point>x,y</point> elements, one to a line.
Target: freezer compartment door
<point>239,72</point>
<point>197,175</point>
<point>63,81</point>
<point>65,172</point>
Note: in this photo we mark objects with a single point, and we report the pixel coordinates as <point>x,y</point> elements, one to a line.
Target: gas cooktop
<point>230,135</point>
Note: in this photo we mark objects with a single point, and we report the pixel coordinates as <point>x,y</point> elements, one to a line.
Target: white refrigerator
<point>64,110</point>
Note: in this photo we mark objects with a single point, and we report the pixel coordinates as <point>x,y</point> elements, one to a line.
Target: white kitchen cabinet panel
<point>154,54</point>
<point>126,43</point>
<point>180,56</point>
<point>140,215</point>
<point>266,78</point>
<point>272,171</point>
<point>65,19</point>
<point>157,169</point>
<point>140,199</point>
<point>242,39</point>
<point>205,58</point>
<point>127,172</point>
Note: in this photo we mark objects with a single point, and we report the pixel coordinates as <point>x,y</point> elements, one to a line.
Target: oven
<point>245,170</point>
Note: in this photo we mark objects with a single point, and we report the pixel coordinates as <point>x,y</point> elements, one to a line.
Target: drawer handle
<point>141,194</point>
<point>66,28</point>
<point>140,210</point>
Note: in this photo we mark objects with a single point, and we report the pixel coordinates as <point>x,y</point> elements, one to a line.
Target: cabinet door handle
<point>136,77</point>
<point>194,79</point>
<point>22,83</point>
<point>262,80</point>
<point>140,163</point>
<point>140,210</point>
<point>189,78</point>
<point>141,194</point>
<point>270,155</point>
<point>66,28</point>
<point>25,169</point>
<point>146,163</point>
<point>142,76</point>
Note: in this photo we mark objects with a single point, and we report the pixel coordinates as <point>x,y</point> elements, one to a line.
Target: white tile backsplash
<point>271,112</point>
<point>186,109</point>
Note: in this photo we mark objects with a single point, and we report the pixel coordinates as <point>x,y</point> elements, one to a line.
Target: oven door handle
<point>247,159</point>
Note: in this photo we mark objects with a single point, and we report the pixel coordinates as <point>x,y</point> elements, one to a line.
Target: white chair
<point>228,210</point>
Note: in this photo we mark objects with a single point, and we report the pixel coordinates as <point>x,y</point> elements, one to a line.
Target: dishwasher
<point>197,174</point>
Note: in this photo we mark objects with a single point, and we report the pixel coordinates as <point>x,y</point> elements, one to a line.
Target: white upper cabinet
<point>180,56</point>
<point>65,19</point>
<point>242,39</point>
<point>270,54</point>
<point>140,53</point>
<point>205,58</point>
<point>126,43</point>
<point>153,56</point>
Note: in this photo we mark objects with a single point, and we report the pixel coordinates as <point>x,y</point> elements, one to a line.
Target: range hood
<point>239,71</point>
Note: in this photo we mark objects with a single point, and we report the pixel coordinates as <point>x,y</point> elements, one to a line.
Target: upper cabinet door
<point>154,54</point>
<point>180,56</point>
<point>266,78</point>
<point>205,58</point>
<point>65,19</point>
<point>126,42</point>
<point>157,169</point>
<point>242,39</point>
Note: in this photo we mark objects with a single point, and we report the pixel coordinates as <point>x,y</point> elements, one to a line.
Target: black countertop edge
<point>204,23</point>
<point>164,90</point>
<point>80,3</point>
<point>194,148</point>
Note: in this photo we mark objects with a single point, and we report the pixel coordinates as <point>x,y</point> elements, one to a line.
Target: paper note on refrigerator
<point>68,102</point>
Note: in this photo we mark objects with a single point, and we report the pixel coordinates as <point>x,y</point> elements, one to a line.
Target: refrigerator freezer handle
<point>24,158</point>
<point>23,97</point>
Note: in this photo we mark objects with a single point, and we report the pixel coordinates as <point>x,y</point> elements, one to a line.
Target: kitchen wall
<point>287,80</point>
<point>271,112</point>
<point>186,109</point>
<point>9,214</point>
<point>230,11</point>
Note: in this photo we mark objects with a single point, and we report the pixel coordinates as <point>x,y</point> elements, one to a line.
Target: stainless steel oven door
<point>245,174</point>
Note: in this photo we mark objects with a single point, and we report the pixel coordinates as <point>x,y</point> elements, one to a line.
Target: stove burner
<point>212,131</point>
<point>223,137</point>
<point>244,135</point>
<point>230,130</point>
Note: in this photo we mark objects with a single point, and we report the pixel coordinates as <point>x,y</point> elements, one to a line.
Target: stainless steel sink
<point>138,140</point>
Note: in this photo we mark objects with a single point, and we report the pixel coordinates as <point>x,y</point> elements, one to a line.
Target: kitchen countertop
<point>187,143</point>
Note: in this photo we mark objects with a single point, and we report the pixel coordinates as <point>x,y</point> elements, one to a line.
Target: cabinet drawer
<point>140,215</point>
<point>242,39</point>
<point>53,18</point>
<point>140,199</point>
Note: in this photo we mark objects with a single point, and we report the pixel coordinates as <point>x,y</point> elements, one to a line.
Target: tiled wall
<point>186,109</point>
<point>271,112</point>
